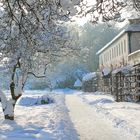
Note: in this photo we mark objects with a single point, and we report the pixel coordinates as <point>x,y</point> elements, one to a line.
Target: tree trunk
<point>14,94</point>
<point>7,106</point>
<point>15,97</point>
<point>7,117</point>
<point>9,111</point>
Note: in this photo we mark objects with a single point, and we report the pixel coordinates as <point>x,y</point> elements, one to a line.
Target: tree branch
<point>31,73</point>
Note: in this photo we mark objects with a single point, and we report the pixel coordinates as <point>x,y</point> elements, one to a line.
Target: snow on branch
<point>137,4</point>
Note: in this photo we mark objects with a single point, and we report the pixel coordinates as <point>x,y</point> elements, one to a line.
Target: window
<point>110,55</point>
<point>116,51</point>
<point>124,45</point>
<point>101,62</point>
<point>112,52</point>
<point>105,57</point>
<point>119,49</point>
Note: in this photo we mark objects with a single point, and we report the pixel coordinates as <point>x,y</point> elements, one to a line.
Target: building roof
<point>78,83</point>
<point>133,53</point>
<point>89,76</point>
<point>129,28</point>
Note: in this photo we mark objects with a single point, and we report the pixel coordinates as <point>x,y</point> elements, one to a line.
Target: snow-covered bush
<point>35,100</point>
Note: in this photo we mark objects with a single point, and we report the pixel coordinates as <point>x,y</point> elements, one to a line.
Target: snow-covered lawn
<point>125,115</point>
<point>92,126</point>
<point>71,115</point>
<point>39,122</point>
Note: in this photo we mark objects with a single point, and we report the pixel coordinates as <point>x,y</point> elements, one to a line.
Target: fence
<point>124,86</point>
<point>90,85</point>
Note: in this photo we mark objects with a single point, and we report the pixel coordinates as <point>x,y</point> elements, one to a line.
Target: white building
<point>123,49</point>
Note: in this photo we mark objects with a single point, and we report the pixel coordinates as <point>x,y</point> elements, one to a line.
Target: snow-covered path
<point>90,125</point>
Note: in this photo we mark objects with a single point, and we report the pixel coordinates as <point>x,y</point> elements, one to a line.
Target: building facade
<point>124,49</point>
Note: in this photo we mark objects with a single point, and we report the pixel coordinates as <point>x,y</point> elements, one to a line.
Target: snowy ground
<point>90,125</point>
<point>39,122</point>
<point>74,115</point>
<point>123,115</point>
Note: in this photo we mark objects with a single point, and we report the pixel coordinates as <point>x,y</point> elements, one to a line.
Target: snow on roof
<point>124,69</point>
<point>113,40</point>
<point>89,76</point>
<point>132,28</point>
<point>106,71</point>
<point>133,53</point>
<point>77,83</point>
